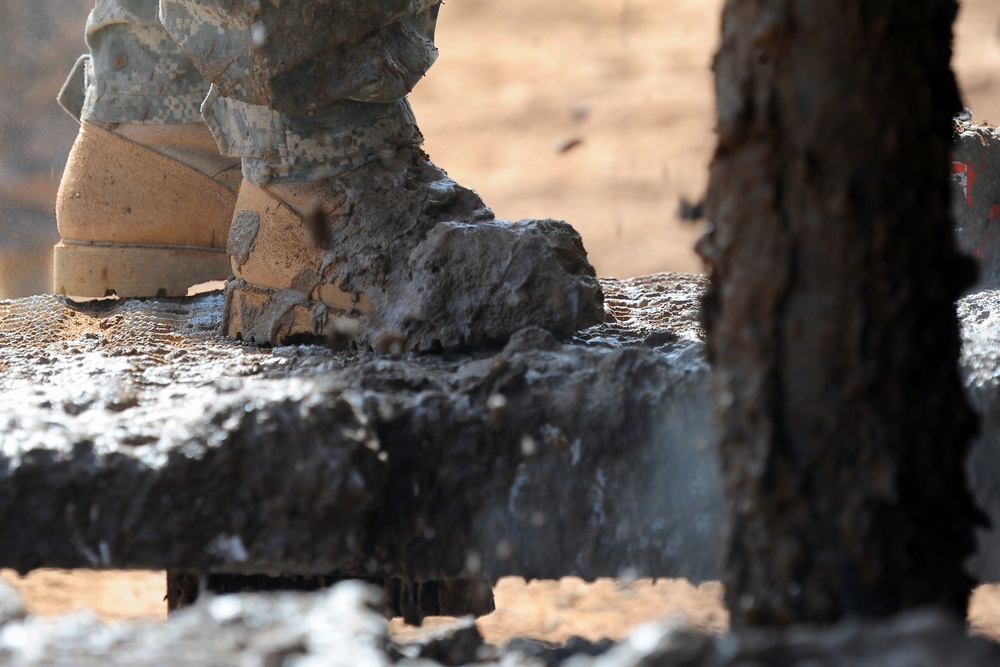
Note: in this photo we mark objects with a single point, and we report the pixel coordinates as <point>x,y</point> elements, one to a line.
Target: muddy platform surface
<point>134,436</point>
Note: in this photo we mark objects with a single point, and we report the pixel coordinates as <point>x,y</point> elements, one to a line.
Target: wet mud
<point>136,436</point>
<point>409,256</point>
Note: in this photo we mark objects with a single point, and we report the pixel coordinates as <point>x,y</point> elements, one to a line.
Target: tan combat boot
<point>394,255</point>
<point>143,211</point>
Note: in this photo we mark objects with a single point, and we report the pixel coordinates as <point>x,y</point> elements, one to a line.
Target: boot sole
<point>266,316</point>
<point>101,270</point>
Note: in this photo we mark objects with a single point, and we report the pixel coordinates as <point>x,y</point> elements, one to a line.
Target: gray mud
<point>427,262</point>
<point>126,442</point>
<point>451,275</point>
<point>135,436</point>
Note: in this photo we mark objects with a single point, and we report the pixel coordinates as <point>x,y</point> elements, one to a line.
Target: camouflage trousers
<point>299,89</point>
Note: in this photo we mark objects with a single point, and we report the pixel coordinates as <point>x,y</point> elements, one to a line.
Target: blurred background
<point>598,112</point>
<point>39,41</point>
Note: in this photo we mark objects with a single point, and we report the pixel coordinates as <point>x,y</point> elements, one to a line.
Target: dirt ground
<point>550,610</point>
<point>598,112</point>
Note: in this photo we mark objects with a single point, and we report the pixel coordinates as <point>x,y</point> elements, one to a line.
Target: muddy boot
<point>394,255</point>
<point>146,199</point>
<point>344,230</point>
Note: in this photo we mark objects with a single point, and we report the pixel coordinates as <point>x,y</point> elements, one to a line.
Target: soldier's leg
<point>343,227</point>
<point>146,200</point>
<point>341,215</point>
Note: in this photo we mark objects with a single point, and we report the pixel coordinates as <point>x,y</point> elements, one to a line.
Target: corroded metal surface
<point>135,436</point>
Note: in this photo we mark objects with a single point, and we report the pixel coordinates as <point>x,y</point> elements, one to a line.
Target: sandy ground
<point>550,610</point>
<point>600,113</point>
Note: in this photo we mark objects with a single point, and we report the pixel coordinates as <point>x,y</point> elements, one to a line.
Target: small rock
<point>455,644</point>
<point>11,605</point>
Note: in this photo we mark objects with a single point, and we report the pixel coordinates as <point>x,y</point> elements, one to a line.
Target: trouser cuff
<point>278,148</point>
<point>136,74</point>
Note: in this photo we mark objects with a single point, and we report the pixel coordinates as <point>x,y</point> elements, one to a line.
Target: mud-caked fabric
<point>136,73</point>
<point>307,89</point>
<point>279,148</point>
<point>298,56</point>
<point>300,89</point>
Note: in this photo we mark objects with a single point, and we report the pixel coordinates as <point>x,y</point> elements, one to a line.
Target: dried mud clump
<point>425,263</point>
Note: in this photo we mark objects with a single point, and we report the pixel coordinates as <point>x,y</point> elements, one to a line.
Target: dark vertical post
<point>842,423</point>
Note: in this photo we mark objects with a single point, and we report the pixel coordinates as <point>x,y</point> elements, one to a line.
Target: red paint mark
<point>994,212</point>
<point>971,178</point>
<point>960,170</point>
<point>968,177</point>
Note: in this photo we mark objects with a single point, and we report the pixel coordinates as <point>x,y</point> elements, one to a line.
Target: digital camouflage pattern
<point>299,89</point>
<point>297,56</point>
<point>278,147</point>
<point>136,73</point>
